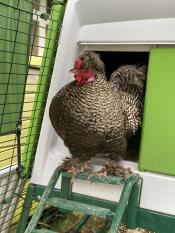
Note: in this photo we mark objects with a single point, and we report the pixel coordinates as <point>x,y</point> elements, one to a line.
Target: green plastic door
<point>157,153</point>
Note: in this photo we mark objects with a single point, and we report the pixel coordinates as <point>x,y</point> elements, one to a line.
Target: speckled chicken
<point>94,116</point>
<point>130,81</point>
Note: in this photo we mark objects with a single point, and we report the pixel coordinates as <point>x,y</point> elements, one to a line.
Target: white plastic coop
<point>107,25</point>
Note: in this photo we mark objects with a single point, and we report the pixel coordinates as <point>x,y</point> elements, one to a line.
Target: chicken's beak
<point>72,70</point>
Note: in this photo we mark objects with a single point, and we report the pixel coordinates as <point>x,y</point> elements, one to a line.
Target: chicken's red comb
<point>78,63</point>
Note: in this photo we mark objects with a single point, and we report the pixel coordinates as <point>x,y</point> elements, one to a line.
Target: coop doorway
<point>113,60</point>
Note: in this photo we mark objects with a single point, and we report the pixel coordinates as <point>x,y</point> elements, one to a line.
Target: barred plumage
<point>129,81</point>
<point>89,119</point>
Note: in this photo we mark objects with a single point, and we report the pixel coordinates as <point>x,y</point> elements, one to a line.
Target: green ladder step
<point>43,231</point>
<point>79,207</point>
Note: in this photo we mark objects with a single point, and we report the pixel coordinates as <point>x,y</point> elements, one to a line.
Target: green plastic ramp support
<point>41,205</point>
<point>129,200</point>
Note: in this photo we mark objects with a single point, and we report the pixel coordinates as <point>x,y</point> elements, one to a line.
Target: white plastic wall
<point>120,25</point>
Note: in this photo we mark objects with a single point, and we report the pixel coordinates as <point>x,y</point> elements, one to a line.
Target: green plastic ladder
<point>129,201</point>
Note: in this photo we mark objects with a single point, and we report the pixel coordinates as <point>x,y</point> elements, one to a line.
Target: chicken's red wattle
<point>84,77</point>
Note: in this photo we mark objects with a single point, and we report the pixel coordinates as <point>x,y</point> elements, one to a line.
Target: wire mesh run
<point>28,43</point>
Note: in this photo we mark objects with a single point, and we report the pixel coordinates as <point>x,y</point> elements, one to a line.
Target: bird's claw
<point>116,169</point>
<point>110,168</point>
<point>73,166</point>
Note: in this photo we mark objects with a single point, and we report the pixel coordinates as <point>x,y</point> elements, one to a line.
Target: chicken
<point>90,115</point>
<point>130,76</point>
<point>130,81</point>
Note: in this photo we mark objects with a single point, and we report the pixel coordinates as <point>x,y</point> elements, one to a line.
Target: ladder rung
<point>43,231</point>
<point>100,179</point>
<point>79,207</point>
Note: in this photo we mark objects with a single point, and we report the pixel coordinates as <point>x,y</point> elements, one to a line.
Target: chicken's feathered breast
<point>89,118</point>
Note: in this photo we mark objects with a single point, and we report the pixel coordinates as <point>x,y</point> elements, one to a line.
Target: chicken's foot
<point>73,164</point>
<point>114,168</point>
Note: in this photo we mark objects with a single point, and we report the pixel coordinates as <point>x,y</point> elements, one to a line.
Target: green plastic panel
<point>53,32</point>
<point>14,49</point>
<point>157,153</point>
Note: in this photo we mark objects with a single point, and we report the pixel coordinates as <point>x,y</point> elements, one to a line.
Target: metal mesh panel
<point>29,31</point>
